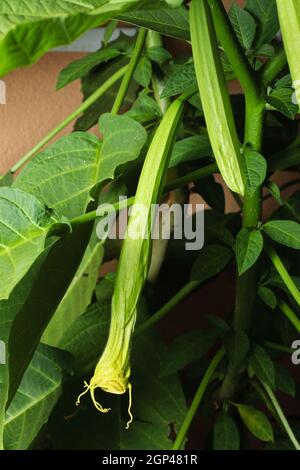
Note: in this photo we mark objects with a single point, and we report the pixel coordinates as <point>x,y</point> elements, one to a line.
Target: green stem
<point>75,114</point>
<point>154,40</point>
<point>197,400</point>
<point>195,175</point>
<point>281,415</point>
<point>177,183</point>
<point>288,312</point>
<point>283,273</point>
<point>234,51</point>
<point>278,347</point>
<point>274,66</point>
<point>140,41</point>
<point>178,297</point>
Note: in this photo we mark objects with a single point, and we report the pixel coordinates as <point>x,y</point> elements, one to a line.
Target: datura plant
<point>152,254</point>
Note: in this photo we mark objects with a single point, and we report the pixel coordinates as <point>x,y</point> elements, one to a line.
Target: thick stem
<point>234,51</point>
<point>197,400</point>
<point>138,48</point>
<point>75,114</point>
<point>246,283</point>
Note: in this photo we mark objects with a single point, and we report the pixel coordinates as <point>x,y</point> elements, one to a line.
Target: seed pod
<point>112,373</point>
<point>289,18</point>
<point>215,97</point>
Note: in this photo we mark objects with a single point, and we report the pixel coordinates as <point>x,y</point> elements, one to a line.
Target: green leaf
<point>226,433</point>
<point>186,349</point>
<point>25,224</point>
<point>63,175</point>
<point>158,402</point>
<point>24,317</point>
<point>109,30</point>
<point>265,14</point>
<point>282,100</point>
<point>284,380</point>
<point>274,190</point>
<point>29,29</point>
<point>285,232</point>
<point>79,294</point>
<point>144,109</point>
<point>256,422</point>
<point>168,21</point>
<point>237,346</point>
<point>6,180</point>
<point>190,148</point>
<point>80,68</point>
<point>181,79</point>
<point>105,289</point>
<point>249,245</point>
<point>95,78</point>
<point>285,159</point>
<point>143,72</point>
<point>263,366</point>
<point>267,296</point>
<point>37,394</point>
<point>255,169</point>
<point>212,193</point>
<point>265,50</point>
<point>244,25</point>
<point>211,260</point>
<point>158,54</point>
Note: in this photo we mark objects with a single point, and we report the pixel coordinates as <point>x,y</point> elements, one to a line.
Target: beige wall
<point>33,107</point>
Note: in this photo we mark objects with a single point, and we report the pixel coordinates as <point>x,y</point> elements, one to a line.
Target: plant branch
<point>140,41</point>
<point>161,313</point>
<point>288,312</point>
<point>278,347</point>
<point>177,183</point>
<point>281,415</point>
<point>179,441</point>
<point>283,273</point>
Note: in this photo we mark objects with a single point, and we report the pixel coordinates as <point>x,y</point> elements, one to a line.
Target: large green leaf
<point>285,232</point>
<point>157,402</point>
<point>181,79</point>
<point>25,315</point>
<point>265,13</point>
<point>63,175</point>
<point>80,292</point>
<point>25,224</point>
<point>81,67</point>
<point>37,394</point>
<point>168,21</point>
<point>30,28</point>
<point>243,24</point>
<point>191,148</point>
